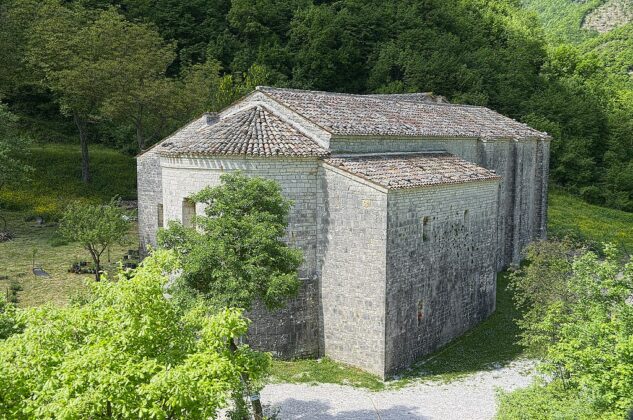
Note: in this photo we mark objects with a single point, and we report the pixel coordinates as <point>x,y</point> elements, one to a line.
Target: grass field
<point>570,216</point>
<point>57,179</point>
<point>39,246</point>
<point>55,182</point>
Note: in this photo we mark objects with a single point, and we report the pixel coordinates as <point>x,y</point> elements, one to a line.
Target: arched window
<point>188,212</point>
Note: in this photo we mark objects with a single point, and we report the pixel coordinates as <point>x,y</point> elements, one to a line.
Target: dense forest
<point>127,72</point>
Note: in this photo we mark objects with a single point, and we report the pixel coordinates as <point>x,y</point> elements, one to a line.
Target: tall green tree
<point>100,66</point>
<point>236,255</point>
<point>133,59</point>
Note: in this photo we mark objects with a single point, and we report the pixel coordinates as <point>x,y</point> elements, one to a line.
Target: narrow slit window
<point>160,215</point>
<point>425,228</point>
<point>420,313</point>
<point>466,216</point>
<point>188,212</point>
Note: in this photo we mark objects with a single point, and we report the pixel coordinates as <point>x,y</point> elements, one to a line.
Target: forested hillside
<point>126,72</point>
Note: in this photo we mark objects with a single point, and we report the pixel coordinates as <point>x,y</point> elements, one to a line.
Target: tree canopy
<point>95,227</point>
<point>128,352</point>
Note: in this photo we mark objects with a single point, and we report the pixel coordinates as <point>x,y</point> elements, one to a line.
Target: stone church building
<point>405,207</point>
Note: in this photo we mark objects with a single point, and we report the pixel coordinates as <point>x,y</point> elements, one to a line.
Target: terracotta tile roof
<point>397,115</point>
<point>400,171</point>
<point>254,131</point>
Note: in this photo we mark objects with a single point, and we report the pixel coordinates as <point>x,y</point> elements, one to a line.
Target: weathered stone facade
<point>401,243</point>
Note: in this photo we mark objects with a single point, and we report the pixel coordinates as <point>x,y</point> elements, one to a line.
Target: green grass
<point>57,179</point>
<point>34,243</point>
<point>570,216</point>
<point>489,345</point>
<point>324,371</point>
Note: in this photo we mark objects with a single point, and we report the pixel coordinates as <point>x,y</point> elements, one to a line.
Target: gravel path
<point>472,397</point>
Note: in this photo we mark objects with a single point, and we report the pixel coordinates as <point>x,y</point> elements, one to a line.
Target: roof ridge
<point>377,96</point>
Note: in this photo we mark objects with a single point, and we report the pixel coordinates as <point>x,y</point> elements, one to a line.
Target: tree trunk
<point>96,259</point>
<point>83,138</point>
<point>140,139</point>
<point>97,269</point>
<point>258,412</point>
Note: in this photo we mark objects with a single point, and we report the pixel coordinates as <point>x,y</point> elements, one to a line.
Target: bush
<point>579,322</point>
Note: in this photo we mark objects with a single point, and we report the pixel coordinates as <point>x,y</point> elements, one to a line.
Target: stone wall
<point>441,266</point>
<point>293,331</point>
<point>524,168</point>
<point>353,250</point>
<point>150,197</point>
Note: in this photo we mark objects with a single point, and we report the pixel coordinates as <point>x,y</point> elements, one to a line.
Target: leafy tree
<point>104,67</point>
<point>235,256</point>
<point>582,332</point>
<point>134,60</point>
<point>129,352</point>
<point>95,227</point>
<point>12,167</point>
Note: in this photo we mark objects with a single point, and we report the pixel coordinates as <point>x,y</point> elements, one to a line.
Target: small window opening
<point>465,215</point>
<point>425,228</point>
<point>188,212</point>
<point>420,313</point>
<point>161,216</point>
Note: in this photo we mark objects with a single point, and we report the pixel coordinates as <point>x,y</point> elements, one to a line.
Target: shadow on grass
<point>489,345</point>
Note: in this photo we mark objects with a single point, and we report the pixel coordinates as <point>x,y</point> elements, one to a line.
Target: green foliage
<point>95,227</point>
<point>126,69</point>
<point>562,19</point>
<point>579,320</point>
<point>235,255</point>
<point>538,285</point>
<point>127,353</point>
<point>8,319</point>
<point>538,402</point>
<point>13,169</point>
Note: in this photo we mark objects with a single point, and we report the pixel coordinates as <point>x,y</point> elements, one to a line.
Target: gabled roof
<point>253,131</point>
<point>420,115</point>
<point>411,170</point>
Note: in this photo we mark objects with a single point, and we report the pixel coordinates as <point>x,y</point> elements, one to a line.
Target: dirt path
<point>472,397</point>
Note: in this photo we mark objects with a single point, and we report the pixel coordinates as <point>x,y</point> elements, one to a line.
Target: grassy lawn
<point>40,244</point>
<point>570,216</point>
<point>57,179</point>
